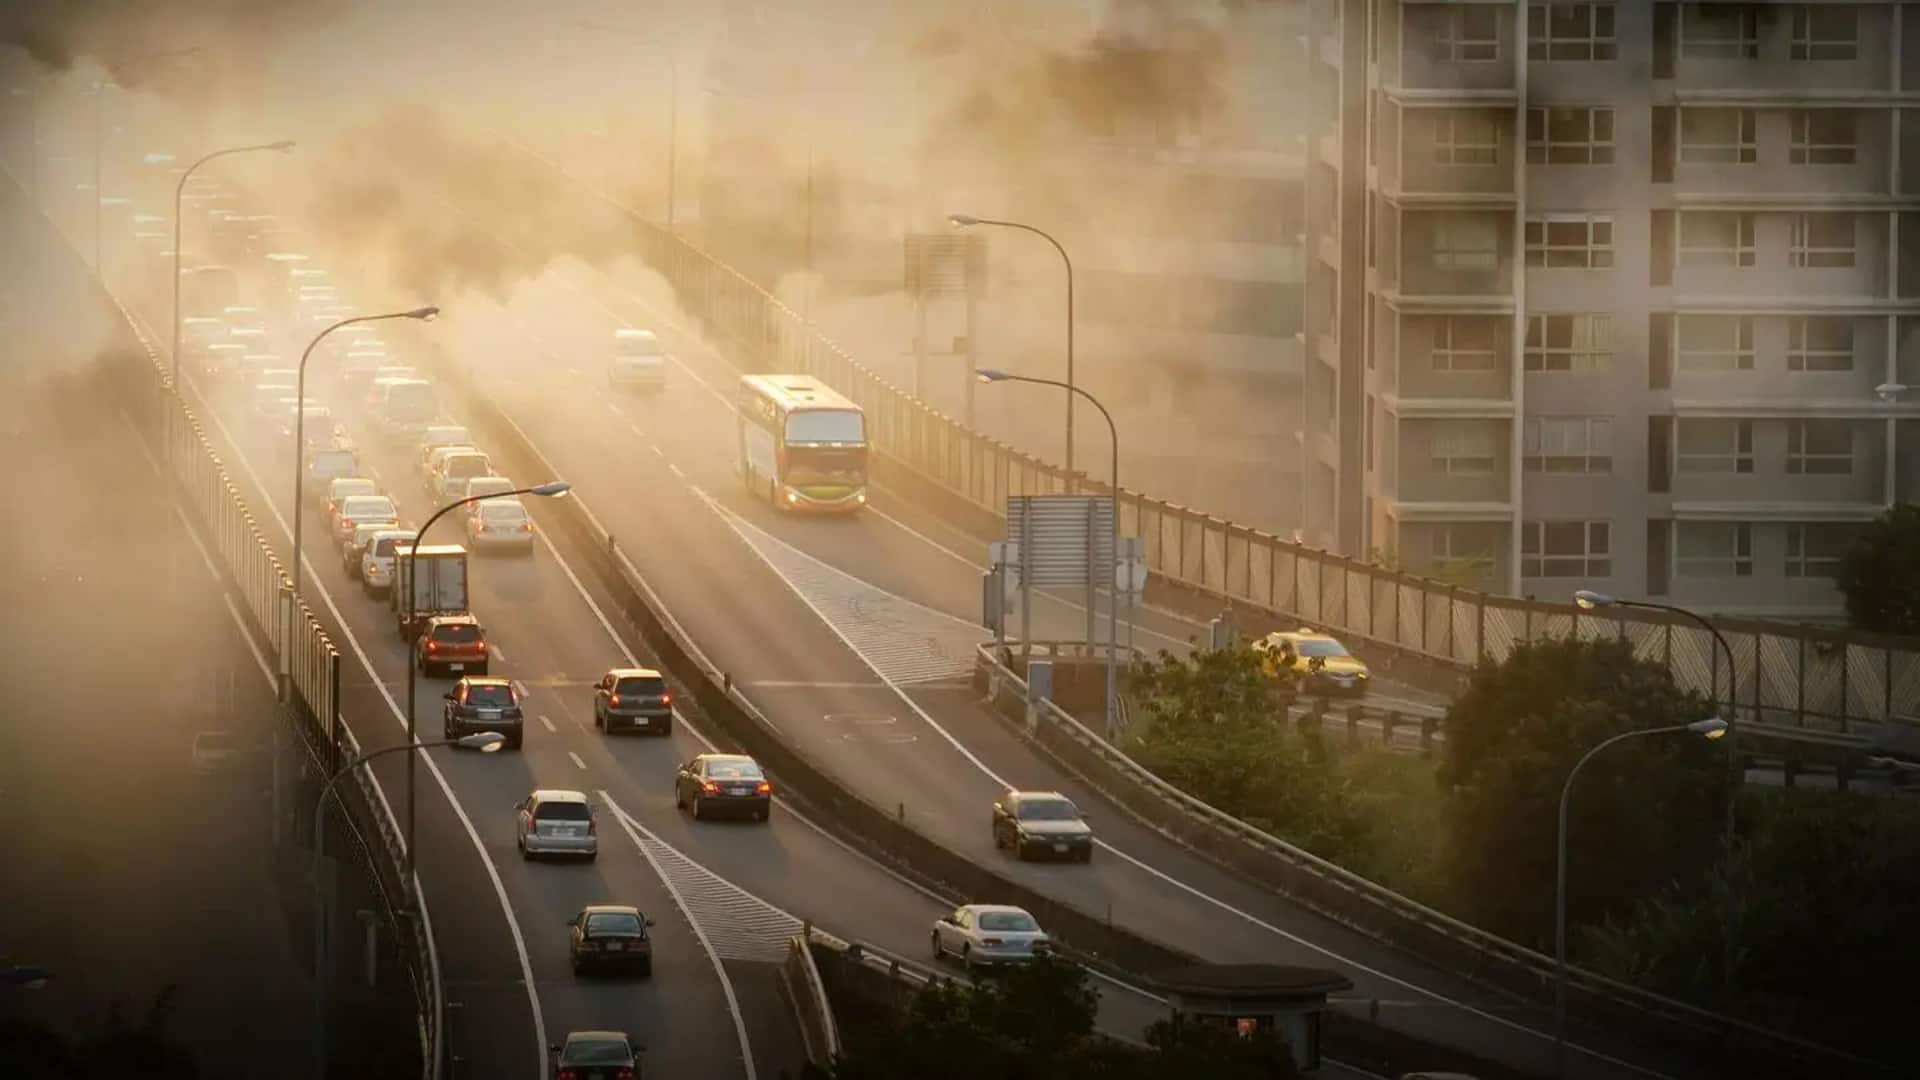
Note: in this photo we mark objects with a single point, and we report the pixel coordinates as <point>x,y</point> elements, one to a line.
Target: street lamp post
<point>179,190</point>
<point>1711,728</point>
<point>486,742</point>
<point>549,490</point>
<point>992,375</point>
<point>425,314</point>
<point>962,221</point>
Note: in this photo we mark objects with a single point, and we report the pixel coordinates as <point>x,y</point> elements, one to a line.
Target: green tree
<point>29,1050</point>
<point>1644,814</point>
<point>1880,575</point>
<point>1036,1023</point>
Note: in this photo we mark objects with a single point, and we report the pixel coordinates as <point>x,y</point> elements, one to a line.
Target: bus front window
<point>826,426</point>
<point>826,465</point>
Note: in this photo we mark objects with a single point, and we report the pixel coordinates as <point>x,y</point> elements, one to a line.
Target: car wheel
<point>938,952</point>
<point>966,958</point>
<point>696,808</point>
<point>514,743</point>
<point>666,726</point>
<point>526,855</point>
<point>599,720</point>
<point>763,813</point>
<point>679,800</point>
<point>646,969</point>
<point>1086,856</point>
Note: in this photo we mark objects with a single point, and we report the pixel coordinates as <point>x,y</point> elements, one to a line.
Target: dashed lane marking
<point>576,760</point>
<point>549,725</point>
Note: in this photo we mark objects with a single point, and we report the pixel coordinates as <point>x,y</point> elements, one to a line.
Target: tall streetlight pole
<point>179,190</point>
<point>425,314</point>
<point>484,741</point>
<point>1711,728</point>
<point>961,221</point>
<point>992,375</point>
<point>550,489</point>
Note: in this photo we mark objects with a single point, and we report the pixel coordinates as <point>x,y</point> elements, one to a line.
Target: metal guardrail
<point>818,1028</point>
<point>1005,688</point>
<point>1788,674</point>
<point>309,659</point>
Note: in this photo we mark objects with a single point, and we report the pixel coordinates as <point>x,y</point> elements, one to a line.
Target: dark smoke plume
<point>188,48</point>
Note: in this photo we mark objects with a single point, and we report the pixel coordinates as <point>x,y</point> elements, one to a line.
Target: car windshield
<point>1322,647</point>
<point>1007,920</point>
<point>826,425</point>
<point>640,687</point>
<point>489,695</point>
<point>612,922</point>
<point>596,1052</point>
<point>1047,810</point>
<point>369,506</point>
<point>563,811</point>
<point>733,770</point>
<point>456,632</point>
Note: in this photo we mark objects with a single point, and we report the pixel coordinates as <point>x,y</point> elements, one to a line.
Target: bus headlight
<point>860,497</point>
<point>793,498</point>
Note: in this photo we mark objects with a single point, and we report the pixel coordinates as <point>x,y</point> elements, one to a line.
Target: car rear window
<point>490,695</point>
<point>503,512</point>
<point>734,770</point>
<point>457,632</point>
<point>368,505</point>
<point>1007,920</point>
<point>562,811</point>
<point>597,1052</point>
<point>612,922</point>
<point>383,547</point>
<point>641,687</point>
<point>467,465</point>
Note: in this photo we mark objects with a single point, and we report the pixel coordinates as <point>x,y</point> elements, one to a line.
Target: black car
<point>609,936</point>
<point>633,699</point>
<point>596,1055</point>
<point>478,703</point>
<point>1043,823</point>
<point>715,784</point>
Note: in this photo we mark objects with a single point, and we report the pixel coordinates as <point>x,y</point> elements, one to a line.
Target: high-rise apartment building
<point>1614,295</point>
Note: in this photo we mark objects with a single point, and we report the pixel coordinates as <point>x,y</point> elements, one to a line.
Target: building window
<point>1719,137</point>
<point>1716,238</point>
<point>1469,33</point>
<point>1463,448</point>
<point>1714,549</point>
<point>1466,137</point>
<point>1816,549</point>
<point>1714,446</point>
<point>1819,343</point>
<point>1565,549</point>
<point>1581,242</point>
<point>1466,242</point>
<point>1719,32</point>
<point>1570,32</point>
<point>1826,32</point>
<point>1570,136</point>
<point>1569,343</point>
<point>1465,343</point>
<point>1568,444</point>
<point>1823,137</point>
<point>1822,242</point>
<point>1467,548</point>
<point>1819,448</point>
<point>1716,342</point>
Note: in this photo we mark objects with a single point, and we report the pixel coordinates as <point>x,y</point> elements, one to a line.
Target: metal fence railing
<point>1787,674</point>
<point>306,655</point>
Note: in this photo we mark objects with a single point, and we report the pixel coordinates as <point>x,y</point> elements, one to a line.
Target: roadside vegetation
<point>1810,922</point>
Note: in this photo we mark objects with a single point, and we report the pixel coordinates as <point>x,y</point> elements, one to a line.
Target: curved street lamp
<point>962,221</point>
<point>550,489</point>
<point>993,375</point>
<point>179,190</point>
<point>484,741</point>
<point>425,314</point>
<point>1711,728</point>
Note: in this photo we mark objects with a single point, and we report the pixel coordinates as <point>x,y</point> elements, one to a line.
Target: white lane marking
<point>246,635</point>
<point>206,558</point>
<point>675,470</point>
<point>576,761</point>
<point>614,409</point>
<point>498,654</point>
<point>657,451</point>
<point>519,688</point>
<point>635,428</point>
<point>788,684</point>
<point>399,716</point>
<point>571,370</point>
<point>549,725</point>
<point>1154,872</point>
<point>634,830</point>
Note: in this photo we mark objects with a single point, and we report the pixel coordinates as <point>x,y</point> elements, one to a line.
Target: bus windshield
<point>826,465</point>
<point>826,426</point>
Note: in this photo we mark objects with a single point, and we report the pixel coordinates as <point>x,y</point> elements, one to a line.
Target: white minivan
<point>638,360</point>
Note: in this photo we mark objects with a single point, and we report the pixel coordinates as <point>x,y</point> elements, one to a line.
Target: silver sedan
<point>977,934</point>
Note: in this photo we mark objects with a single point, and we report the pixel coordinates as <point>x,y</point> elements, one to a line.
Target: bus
<point>802,446</point>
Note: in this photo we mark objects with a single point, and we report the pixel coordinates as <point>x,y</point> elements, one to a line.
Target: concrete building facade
<point>1619,296</point>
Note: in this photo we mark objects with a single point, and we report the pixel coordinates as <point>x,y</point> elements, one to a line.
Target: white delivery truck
<point>434,578</point>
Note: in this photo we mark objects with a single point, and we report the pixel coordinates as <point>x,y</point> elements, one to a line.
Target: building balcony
<point>1408,510</point>
<point>1451,408</point>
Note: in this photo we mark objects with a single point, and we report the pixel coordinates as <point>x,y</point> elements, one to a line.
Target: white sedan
<point>978,934</point>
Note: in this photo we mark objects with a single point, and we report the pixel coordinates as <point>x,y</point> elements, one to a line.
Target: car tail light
<point>992,941</point>
<point>763,788</point>
<point>566,1074</point>
<point>666,699</point>
<point>623,1074</point>
<point>432,645</point>
<point>614,700</point>
<point>710,787</point>
<point>593,826</point>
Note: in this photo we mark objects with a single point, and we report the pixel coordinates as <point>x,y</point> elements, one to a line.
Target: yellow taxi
<point>1322,663</point>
